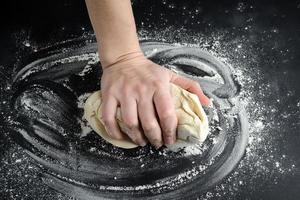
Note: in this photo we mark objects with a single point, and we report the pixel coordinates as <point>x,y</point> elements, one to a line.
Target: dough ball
<point>192,125</point>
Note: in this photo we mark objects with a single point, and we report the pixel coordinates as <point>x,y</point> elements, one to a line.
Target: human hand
<point>142,90</point>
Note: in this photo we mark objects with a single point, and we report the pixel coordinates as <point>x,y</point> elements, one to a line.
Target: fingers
<point>109,109</point>
<point>149,121</point>
<point>191,86</point>
<point>167,114</point>
<point>130,119</point>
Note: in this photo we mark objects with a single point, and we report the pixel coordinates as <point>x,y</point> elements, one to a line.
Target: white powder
<point>263,157</point>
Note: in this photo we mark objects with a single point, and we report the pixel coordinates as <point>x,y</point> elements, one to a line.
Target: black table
<point>260,39</point>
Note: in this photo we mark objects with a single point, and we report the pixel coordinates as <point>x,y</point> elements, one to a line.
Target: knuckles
<point>168,132</point>
<point>149,126</point>
<point>195,83</point>
<point>139,88</point>
<point>130,123</point>
<point>167,114</point>
<point>108,121</point>
<point>159,84</point>
<point>142,89</point>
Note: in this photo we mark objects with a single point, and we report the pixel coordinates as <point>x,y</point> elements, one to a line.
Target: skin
<point>133,82</point>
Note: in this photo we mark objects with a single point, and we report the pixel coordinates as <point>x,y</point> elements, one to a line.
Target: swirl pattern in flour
<point>47,103</point>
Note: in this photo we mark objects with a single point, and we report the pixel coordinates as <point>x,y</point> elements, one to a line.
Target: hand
<point>142,89</point>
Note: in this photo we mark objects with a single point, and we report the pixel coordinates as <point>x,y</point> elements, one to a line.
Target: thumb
<point>191,86</point>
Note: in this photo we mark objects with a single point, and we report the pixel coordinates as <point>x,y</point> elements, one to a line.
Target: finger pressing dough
<point>192,125</point>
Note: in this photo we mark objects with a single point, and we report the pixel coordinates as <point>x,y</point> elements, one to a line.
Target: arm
<point>114,25</point>
<point>129,80</point>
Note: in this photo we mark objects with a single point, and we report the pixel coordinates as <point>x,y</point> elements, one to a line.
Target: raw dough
<point>192,125</point>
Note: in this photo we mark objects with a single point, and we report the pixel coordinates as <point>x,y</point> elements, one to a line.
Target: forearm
<point>115,29</point>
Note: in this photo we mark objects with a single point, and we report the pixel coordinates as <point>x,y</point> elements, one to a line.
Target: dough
<point>192,125</point>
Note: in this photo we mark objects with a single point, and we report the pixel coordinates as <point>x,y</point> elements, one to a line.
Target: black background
<point>47,21</point>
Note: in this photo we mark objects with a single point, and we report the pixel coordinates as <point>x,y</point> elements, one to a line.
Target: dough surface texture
<point>192,127</point>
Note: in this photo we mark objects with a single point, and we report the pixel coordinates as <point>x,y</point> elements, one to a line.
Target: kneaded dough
<point>192,125</point>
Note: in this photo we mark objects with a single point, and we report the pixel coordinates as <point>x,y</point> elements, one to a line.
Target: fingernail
<point>157,144</point>
<point>210,103</point>
<point>142,143</point>
<point>169,140</point>
<point>108,130</point>
<point>111,135</point>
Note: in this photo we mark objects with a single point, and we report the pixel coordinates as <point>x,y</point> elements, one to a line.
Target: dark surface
<point>273,29</point>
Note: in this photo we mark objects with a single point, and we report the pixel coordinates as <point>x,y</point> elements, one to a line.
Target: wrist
<point>108,59</point>
<point>112,48</point>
